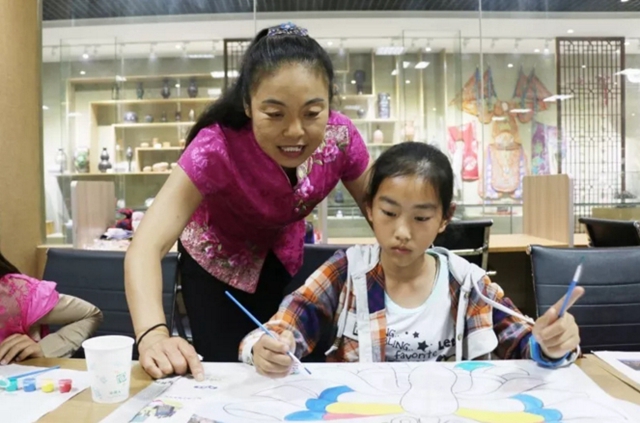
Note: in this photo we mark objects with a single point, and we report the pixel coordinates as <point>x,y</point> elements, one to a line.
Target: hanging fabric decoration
<point>529,94</point>
<point>470,101</point>
<point>544,149</point>
<point>465,134</point>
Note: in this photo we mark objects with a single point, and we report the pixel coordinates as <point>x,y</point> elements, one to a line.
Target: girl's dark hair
<point>6,267</point>
<point>268,51</point>
<point>414,159</point>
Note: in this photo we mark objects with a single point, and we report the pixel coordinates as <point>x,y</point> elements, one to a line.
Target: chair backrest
<point>608,314</point>
<point>469,238</point>
<point>612,233</point>
<point>314,256</point>
<point>98,277</point>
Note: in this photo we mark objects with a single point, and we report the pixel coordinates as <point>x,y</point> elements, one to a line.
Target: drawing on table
<point>481,392</point>
<point>159,409</point>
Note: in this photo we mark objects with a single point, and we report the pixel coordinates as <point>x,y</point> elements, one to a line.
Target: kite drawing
<point>465,392</point>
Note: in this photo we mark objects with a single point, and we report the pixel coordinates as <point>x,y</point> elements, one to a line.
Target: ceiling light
<point>329,43</point>
<point>624,1</point>
<point>510,65</point>
<point>516,111</point>
<point>201,56</point>
<point>120,78</point>
<point>405,65</point>
<point>178,85</point>
<point>421,65</point>
<point>584,66</point>
<point>428,47</point>
<point>353,82</point>
<point>390,51</point>
<point>570,31</point>
<point>178,46</point>
<point>558,97</point>
<point>220,74</point>
<point>498,118</point>
<point>536,50</point>
<point>627,43</point>
<point>394,72</point>
<point>434,109</point>
<point>85,56</point>
<point>407,82</point>
<point>83,73</point>
<point>45,107</point>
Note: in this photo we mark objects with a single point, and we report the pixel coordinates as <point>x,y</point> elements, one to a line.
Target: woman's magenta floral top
<point>249,206</point>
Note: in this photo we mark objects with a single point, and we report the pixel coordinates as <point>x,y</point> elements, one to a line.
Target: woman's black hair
<point>6,267</point>
<point>269,50</point>
<point>414,159</point>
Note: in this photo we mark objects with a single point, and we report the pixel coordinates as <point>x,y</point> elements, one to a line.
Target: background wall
<point>21,191</point>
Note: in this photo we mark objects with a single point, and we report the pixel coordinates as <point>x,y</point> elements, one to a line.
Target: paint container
<point>64,385</point>
<point>29,384</point>
<point>47,386</point>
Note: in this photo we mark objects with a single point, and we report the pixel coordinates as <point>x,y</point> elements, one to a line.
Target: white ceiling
<point>203,34</point>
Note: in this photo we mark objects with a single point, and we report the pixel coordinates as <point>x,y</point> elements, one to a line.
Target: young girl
<point>395,302</point>
<point>256,164</point>
<point>28,306</point>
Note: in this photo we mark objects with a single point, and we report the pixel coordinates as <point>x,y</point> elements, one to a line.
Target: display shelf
<point>150,125</point>
<point>143,149</point>
<point>93,175</point>
<point>358,121</point>
<point>138,78</point>
<point>111,103</point>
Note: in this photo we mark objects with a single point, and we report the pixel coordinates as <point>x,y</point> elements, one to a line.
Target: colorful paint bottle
<point>47,386</point>
<point>64,385</point>
<point>29,384</point>
<point>13,385</point>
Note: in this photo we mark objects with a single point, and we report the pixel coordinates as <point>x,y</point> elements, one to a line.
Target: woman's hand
<point>558,336</point>
<point>19,347</point>
<point>162,355</point>
<point>270,357</point>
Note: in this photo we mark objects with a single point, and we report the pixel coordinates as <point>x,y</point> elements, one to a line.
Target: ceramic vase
<point>104,164</point>
<point>148,119</point>
<point>61,160</point>
<point>193,88</point>
<point>192,115</point>
<point>384,106</point>
<point>163,117</point>
<point>362,112</point>
<point>129,156</point>
<point>131,117</point>
<point>178,116</point>
<point>165,92</point>
<point>81,160</point>
<point>378,136</point>
<point>140,91</point>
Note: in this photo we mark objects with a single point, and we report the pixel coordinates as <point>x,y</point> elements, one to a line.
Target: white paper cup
<point>109,365</point>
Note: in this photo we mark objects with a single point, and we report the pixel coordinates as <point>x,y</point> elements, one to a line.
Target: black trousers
<point>217,324</point>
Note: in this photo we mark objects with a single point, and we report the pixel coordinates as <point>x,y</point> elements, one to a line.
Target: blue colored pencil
<point>36,372</point>
<point>572,286</point>
<point>264,329</point>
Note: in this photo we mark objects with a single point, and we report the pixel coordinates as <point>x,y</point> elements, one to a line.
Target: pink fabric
<point>249,206</point>
<point>24,301</point>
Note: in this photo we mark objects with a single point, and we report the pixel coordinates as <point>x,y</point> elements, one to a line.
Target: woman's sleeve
<point>357,156</point>
<point>203,160</point>
<point>79,320</point>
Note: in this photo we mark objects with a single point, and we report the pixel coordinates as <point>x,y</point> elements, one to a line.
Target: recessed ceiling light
<point>570,31</point>
<point>83,73</point>
<point>510,65</point>
<point>45,107</point>
<point>405,65</point>
<point>407,82</point>
<point>353,82</point>
<point>329,43</point>
<point>627,43</point>
<point>421,65</point>
<point>624,1</point>
<point>178,46</point>
<point>427,49</point>
<point>536,50</point>
<point>177,85</point>
<point>85,55</point>
<point>390,51</point>
<point>584,66</point>
<point>394,72</point>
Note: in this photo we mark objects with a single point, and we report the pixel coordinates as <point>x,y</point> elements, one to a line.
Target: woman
<point>256,164</point>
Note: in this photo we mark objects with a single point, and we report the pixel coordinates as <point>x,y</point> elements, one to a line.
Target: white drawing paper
<point>467,392</point>
<point>627,363</point>
<point>27,407</point>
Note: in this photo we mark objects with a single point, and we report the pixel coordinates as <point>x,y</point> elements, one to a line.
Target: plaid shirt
<point>318,304</point>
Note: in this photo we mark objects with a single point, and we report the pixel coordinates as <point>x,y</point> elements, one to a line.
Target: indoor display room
<point>532,102</point>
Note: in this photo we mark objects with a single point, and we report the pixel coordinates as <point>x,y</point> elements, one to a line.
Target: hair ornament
<point>287,29</point>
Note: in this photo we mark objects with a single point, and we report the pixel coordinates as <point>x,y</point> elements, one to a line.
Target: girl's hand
<point>19,347</point>
<point>162,355</point>
<point>270,357</point>
<point>558,336</point>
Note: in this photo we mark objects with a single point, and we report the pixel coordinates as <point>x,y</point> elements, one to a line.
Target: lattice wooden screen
<point>233,51</point>
<point>591,122</point>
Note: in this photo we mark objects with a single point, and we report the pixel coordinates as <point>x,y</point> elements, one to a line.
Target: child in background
<point>28,306</point>
<point>400,300</point>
